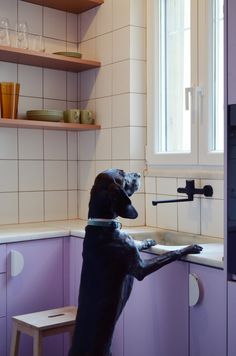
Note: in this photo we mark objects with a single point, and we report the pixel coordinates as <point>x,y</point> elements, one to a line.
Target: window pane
<point>218,76</point>
<point>174,129</point>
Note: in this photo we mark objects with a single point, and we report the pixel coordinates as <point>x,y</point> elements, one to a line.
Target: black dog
<point>111,260</point>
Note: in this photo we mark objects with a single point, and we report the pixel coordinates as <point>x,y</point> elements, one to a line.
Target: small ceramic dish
<point>69,54</point>
<point>45,115</point>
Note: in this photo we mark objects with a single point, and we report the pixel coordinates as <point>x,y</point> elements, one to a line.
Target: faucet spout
<point>190,190</point>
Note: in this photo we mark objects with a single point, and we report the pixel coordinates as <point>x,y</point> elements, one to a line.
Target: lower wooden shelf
<point>30,124</point>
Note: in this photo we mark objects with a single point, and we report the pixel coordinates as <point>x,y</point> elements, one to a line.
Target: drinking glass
<point>4,32</point>
<point>22,35</point>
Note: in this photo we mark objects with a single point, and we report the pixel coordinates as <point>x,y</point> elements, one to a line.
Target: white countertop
<point>212,254</point>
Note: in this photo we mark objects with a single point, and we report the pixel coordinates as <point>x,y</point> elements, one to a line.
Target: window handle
<point>200,95</point>
<point>188,92</point>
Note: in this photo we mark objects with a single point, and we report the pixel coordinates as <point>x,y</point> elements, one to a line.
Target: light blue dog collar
<point>113,223</point>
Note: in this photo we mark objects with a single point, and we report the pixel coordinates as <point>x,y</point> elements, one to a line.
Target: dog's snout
<point>137,175</point>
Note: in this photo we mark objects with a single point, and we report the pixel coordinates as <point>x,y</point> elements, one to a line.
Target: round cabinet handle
<point>194,290</point>
<point>17,263</point>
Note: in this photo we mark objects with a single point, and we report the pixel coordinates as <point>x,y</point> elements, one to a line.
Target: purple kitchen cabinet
<point>207,319</point>
<point>156,315</point>
<point>73,248</point>
<point>3,351</point>
<point>231,318</point>
<point>231,24</point>
<point>3,252</point>
<point>38,286</point>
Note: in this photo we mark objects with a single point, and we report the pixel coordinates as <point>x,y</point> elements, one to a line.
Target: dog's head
<point>110,195</point>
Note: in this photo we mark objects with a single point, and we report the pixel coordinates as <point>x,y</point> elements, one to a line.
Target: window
<point>185,82</point>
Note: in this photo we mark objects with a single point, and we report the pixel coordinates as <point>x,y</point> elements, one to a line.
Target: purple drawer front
<point>3,254</point>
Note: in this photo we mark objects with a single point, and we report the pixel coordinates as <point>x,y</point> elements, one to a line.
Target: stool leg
<point>15,340</point>
<point>37,343</point>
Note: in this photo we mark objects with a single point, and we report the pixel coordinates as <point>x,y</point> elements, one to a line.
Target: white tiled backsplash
<point>47,175</point>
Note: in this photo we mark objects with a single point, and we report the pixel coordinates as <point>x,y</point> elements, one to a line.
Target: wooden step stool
<point>44,323</point>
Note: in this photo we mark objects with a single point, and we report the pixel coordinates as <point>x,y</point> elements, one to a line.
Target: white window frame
<point>200,129</point>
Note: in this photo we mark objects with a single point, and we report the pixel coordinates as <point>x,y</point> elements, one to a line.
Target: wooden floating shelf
<point>49,125</point>
<point>75,6</point>
<point>46,60</point>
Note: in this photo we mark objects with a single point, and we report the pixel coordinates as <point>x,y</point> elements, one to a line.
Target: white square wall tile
<point>138,77</point>
<point>8,72</point>
<point>28,76</point>
<point>9,208</point>
<point>151,211</point>
<point>31,207</point>
<point>55,175</point>
<point>55,145</point>
<point>137,142</point>
<point>189,216</point>
<point>212,217</point>
<point>54,23</point>
<point>121,110</point>
<point>138,109</point>
<point>121,77</point>
<point>103,49</point>
<point>51,45</point>
<point>166,213</point>
<point>104,111</point>
<point>31,175</point>
<point>103,85</point>
<point>104,18</point>
<point>83,201</point>
<point>150,185</point>
<point>121,143</point>
<point>137,43</point>
<point>28,103</point>
<point>72,175</point>
<point>88,24</point>
<point>86,175</point>
<point>166,186</point>
<point>87,84</point>
<point>103,144</point>
<point>101,166</point>
<point>121,44</point>
<point>33,14</point>
<point>71,27</point>
<point>9,176</point>
<point>72,86</point>
<point>121,13</point>
<point>87,145</point>
<point>8,143</point>
<point>54,84</point>
<point>88,48</point>
<point>72,141</point>
<point>9,9</point>
<point>72,204</point>
<point>30,144</point>
<point>56,205</point>
<point>53,104</point>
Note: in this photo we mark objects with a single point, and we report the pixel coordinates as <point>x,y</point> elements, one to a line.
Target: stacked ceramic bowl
<point>45,115</point>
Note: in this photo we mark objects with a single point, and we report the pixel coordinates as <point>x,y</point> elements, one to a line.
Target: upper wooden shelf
<point>32,124</point>
<point>75,6</point>
<point>46,60</point>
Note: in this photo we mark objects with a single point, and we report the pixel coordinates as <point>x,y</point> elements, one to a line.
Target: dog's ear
<point>121,203</point>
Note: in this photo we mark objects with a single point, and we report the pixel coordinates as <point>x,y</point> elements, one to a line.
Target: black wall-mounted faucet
<point>190,190</point>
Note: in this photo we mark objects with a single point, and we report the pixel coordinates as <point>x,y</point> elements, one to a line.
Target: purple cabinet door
<point>231,52</point>
<point>156,315</point>
<point>208,317</point>
<point>231,318</point>
<point>3,336</point>
<point>117,347</point>
<point>38,287</point>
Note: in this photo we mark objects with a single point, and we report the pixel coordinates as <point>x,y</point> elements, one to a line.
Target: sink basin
<point>173,238</point>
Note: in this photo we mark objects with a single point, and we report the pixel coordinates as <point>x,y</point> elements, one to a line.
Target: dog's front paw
<point>150,243</point>
<point>193,249</point>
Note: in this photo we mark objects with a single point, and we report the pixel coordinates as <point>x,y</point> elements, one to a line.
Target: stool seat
<point>40,324</point>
